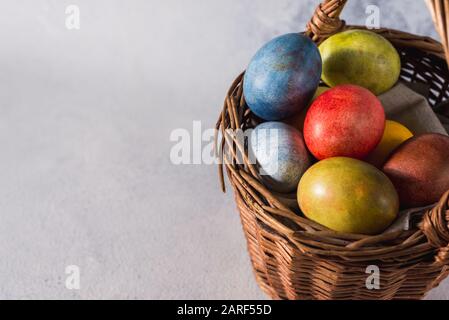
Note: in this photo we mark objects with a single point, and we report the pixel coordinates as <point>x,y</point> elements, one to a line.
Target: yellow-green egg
<point>362,58</point>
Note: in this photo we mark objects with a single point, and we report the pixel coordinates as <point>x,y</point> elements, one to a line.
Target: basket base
<point>284,273</point>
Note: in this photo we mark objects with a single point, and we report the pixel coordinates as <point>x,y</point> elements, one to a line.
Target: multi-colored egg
<point>348,195</point>
<point>282,77</point>
<point>281,155</point>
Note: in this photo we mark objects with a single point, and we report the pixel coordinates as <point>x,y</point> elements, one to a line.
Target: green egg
<point>362,58</point>
<point>348,195</point>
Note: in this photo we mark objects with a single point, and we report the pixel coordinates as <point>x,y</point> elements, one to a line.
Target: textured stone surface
<point>85,120</point>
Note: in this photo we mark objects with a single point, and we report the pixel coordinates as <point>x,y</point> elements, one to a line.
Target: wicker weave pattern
<point>295,258</point>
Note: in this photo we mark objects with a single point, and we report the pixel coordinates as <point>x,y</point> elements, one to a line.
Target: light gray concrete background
<point>85,119</point>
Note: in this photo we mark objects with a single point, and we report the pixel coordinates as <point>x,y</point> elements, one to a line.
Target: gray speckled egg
<point>281,155</point>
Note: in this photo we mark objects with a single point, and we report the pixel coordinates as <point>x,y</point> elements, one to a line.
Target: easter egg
<point>419,169</point>
<point>394,135</point>
<point>362,58</point>
<point>281,155</point>
<point>345,121</point>
<point>348,195</point>
<point>297,120</point>
<point>282,77</point>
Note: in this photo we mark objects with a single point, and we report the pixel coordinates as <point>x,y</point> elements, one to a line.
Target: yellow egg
<point>297,121</point>
<point>395,134</point>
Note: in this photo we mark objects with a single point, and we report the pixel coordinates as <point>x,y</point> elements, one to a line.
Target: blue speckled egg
<point>281,155</point>
<point>282,77</point>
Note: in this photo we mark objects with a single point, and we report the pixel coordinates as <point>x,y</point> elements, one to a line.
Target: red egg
<point>346,121</point>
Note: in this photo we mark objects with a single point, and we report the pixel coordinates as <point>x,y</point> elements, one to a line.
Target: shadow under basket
<point>295,258</point>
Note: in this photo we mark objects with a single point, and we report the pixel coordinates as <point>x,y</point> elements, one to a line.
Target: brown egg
<point>419,169</point>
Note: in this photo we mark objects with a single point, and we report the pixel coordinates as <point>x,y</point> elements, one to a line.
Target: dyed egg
<point>282,77</point>
<point>394,135</point>
<point>348,195</point>
<point>360,57</point>
<point>419,169</point>
<point>281,155</point>
<point>345,121</point>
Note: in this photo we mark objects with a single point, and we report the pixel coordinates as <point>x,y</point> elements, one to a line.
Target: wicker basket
<point>294,258</point>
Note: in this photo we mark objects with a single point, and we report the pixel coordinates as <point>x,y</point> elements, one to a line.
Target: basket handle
<point>326,20</point>
<point>439,9</point>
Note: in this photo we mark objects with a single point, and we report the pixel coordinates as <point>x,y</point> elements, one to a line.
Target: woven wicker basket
<point>294,258</point>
